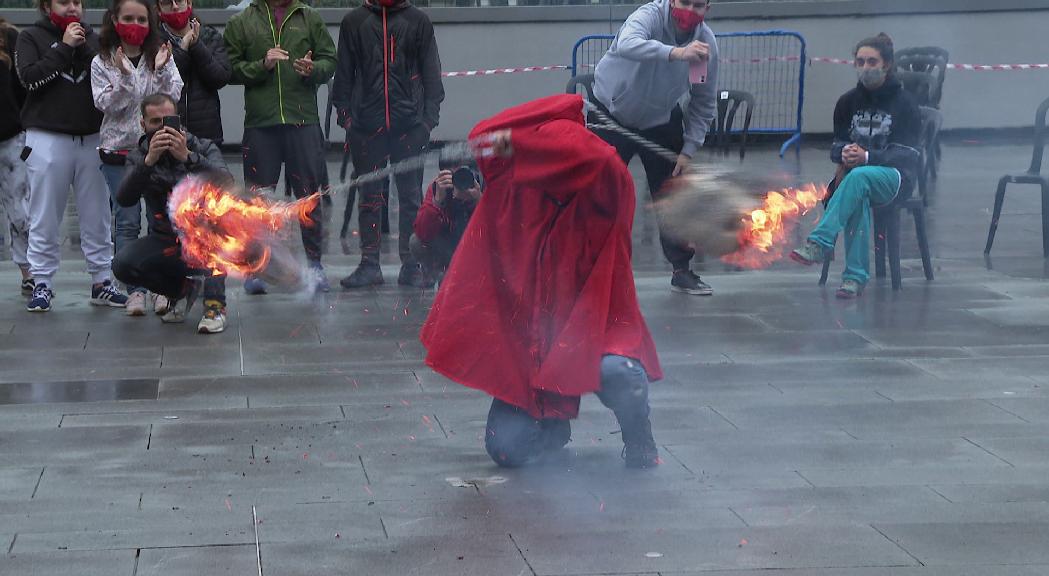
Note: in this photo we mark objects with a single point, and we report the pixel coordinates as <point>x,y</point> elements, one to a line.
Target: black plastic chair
<point>922,86</point>
<point>584,80</point>
<point>887,226</point>
<point>1032,176</point>
<point>930,60</point>
<point>729,102</point>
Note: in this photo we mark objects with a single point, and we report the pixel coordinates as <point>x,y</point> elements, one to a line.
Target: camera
<point>463,178</point>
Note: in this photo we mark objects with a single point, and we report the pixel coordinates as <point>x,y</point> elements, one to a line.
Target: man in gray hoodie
<point>662,53</point>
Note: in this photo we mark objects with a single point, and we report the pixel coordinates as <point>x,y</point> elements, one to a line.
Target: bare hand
<point>75,35</point>
<point>192,36</point>
<point>274,55</point>
<point>501,143</point>
<point>159,144</point>
<point>163,55</point>
<point>304,65</point>
<point>444,185</point>
<point>853,155</point>
<point>471,194</point>
<point>682,165</point>
<point>121,61</point>
<point>694,51</point>
<point>177,146</point>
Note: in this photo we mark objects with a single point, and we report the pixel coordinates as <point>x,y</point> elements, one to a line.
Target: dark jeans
<point>514,438</point>
<point>371,152</point>
<point>155,263</point>
<point>300,148</point>
<point>657,169</point>
<point>434,256</point>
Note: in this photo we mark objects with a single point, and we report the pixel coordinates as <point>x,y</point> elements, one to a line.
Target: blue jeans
<point>514,438</point>
<point>127,219</point>
<point>849,210</point>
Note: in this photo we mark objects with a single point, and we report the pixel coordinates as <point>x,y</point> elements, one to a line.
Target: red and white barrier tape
<point>502,71</point>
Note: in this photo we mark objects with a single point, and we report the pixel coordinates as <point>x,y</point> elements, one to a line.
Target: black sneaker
<point>412,275</point>
<point>688,282</point>
<point>366,274</point>
<point>105,294</point>
<point>28,284</point>
<point>639,448</point>
<point>41,300</point>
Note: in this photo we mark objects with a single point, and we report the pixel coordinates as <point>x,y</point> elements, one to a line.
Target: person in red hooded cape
<point>538,306</point>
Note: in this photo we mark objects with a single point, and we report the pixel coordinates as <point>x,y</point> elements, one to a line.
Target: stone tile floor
<point>903,434</point>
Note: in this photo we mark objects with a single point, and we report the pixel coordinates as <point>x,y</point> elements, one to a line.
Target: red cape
<point>541,286</point>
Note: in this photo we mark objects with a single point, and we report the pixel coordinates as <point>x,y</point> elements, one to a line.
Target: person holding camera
<point>165,155</point>
<point>663,53</point>
<point>53,58</point>
<point>450,202</point>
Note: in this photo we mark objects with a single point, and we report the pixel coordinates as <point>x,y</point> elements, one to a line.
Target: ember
<point>223,232</point>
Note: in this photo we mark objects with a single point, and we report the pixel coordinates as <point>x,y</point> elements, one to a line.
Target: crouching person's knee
<point>512,437</point>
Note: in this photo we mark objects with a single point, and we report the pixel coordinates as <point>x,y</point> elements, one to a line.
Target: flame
<point>764,231</point>
<point>222,232</point>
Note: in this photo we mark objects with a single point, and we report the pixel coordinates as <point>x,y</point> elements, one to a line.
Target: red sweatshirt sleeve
<point>431,219</point>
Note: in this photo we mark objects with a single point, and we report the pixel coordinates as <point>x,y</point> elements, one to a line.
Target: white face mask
<point>871,78</point>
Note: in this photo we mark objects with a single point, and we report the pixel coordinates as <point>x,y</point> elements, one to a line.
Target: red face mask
<point>177,20</point>
<point>133,34</point>
<point>387,3</point>
<point>62,22</point>
<point>686,20</point>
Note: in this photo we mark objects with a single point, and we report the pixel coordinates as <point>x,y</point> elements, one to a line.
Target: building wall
<point>1011,31</point>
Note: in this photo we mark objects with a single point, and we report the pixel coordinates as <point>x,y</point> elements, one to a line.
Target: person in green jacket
<point>281,52</point>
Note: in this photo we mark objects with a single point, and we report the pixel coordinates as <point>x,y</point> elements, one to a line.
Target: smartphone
<point>173,122</point>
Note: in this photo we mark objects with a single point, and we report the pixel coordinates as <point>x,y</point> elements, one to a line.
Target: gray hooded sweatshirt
<point>639,84</point>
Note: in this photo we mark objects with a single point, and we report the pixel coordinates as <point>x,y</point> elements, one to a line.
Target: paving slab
<point>193,561</point>
<point>72,563</point>
<point>972,543</point>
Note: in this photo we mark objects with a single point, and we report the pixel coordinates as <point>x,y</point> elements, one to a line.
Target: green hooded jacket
<point>281,95</point>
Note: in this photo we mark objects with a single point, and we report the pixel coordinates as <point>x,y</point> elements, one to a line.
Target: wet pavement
<point>905,433</point>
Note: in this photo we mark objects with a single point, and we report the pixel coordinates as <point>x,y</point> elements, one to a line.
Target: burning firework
<point>224,232</point>
<point>766,230</point>
<point>715,211</point>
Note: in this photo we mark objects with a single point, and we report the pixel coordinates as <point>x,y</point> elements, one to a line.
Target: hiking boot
<point>808,254</point>
<point>557,433</point>
<point>639,448</point>
<point>687,282</point>
<point>214,319</point>
<point>41,299</point>
<point>412,275</point>
<point>367,274</point>
<point>849,290</point>
<point>136,304</point>
<point>106,294</point>
<point>254,286</point>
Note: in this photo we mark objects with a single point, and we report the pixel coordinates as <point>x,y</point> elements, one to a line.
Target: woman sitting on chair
<point>876,138</point>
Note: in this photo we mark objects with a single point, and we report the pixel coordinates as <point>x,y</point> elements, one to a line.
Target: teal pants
<point>849,210</point>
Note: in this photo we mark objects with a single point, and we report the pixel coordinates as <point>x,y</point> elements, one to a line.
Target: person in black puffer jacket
<point>877,129</point>
<point>388,93</point>
<point>200,55</point>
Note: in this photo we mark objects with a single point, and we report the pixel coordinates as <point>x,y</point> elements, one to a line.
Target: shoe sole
<point>109,303</point>
<point>38,309</point>
<point>132,312</point>
<point>174,320</point>
<point>692,291</point>
<point>847,295</point>
<point>801,260</point>
<point>204,330</point>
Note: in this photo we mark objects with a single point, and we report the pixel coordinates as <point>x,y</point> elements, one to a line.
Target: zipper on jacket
<point>385,68</point>
<point>276,42</point>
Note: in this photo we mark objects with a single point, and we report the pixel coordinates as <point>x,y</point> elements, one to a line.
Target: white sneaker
<point>176,313</point>
<point>136,304</point>
<point>214,319</point>
<point>161,304</point>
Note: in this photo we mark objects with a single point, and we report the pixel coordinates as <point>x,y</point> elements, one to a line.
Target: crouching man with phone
<point>164,156</point>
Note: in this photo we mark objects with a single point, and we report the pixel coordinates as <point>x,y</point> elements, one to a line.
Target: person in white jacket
<point>663,54</point>
<point>133,62</point>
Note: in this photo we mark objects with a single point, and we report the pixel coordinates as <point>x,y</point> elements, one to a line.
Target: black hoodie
<point>12,94</point>
<point>886,123</point>
<point>58,79</point>
<point>389,72</point>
